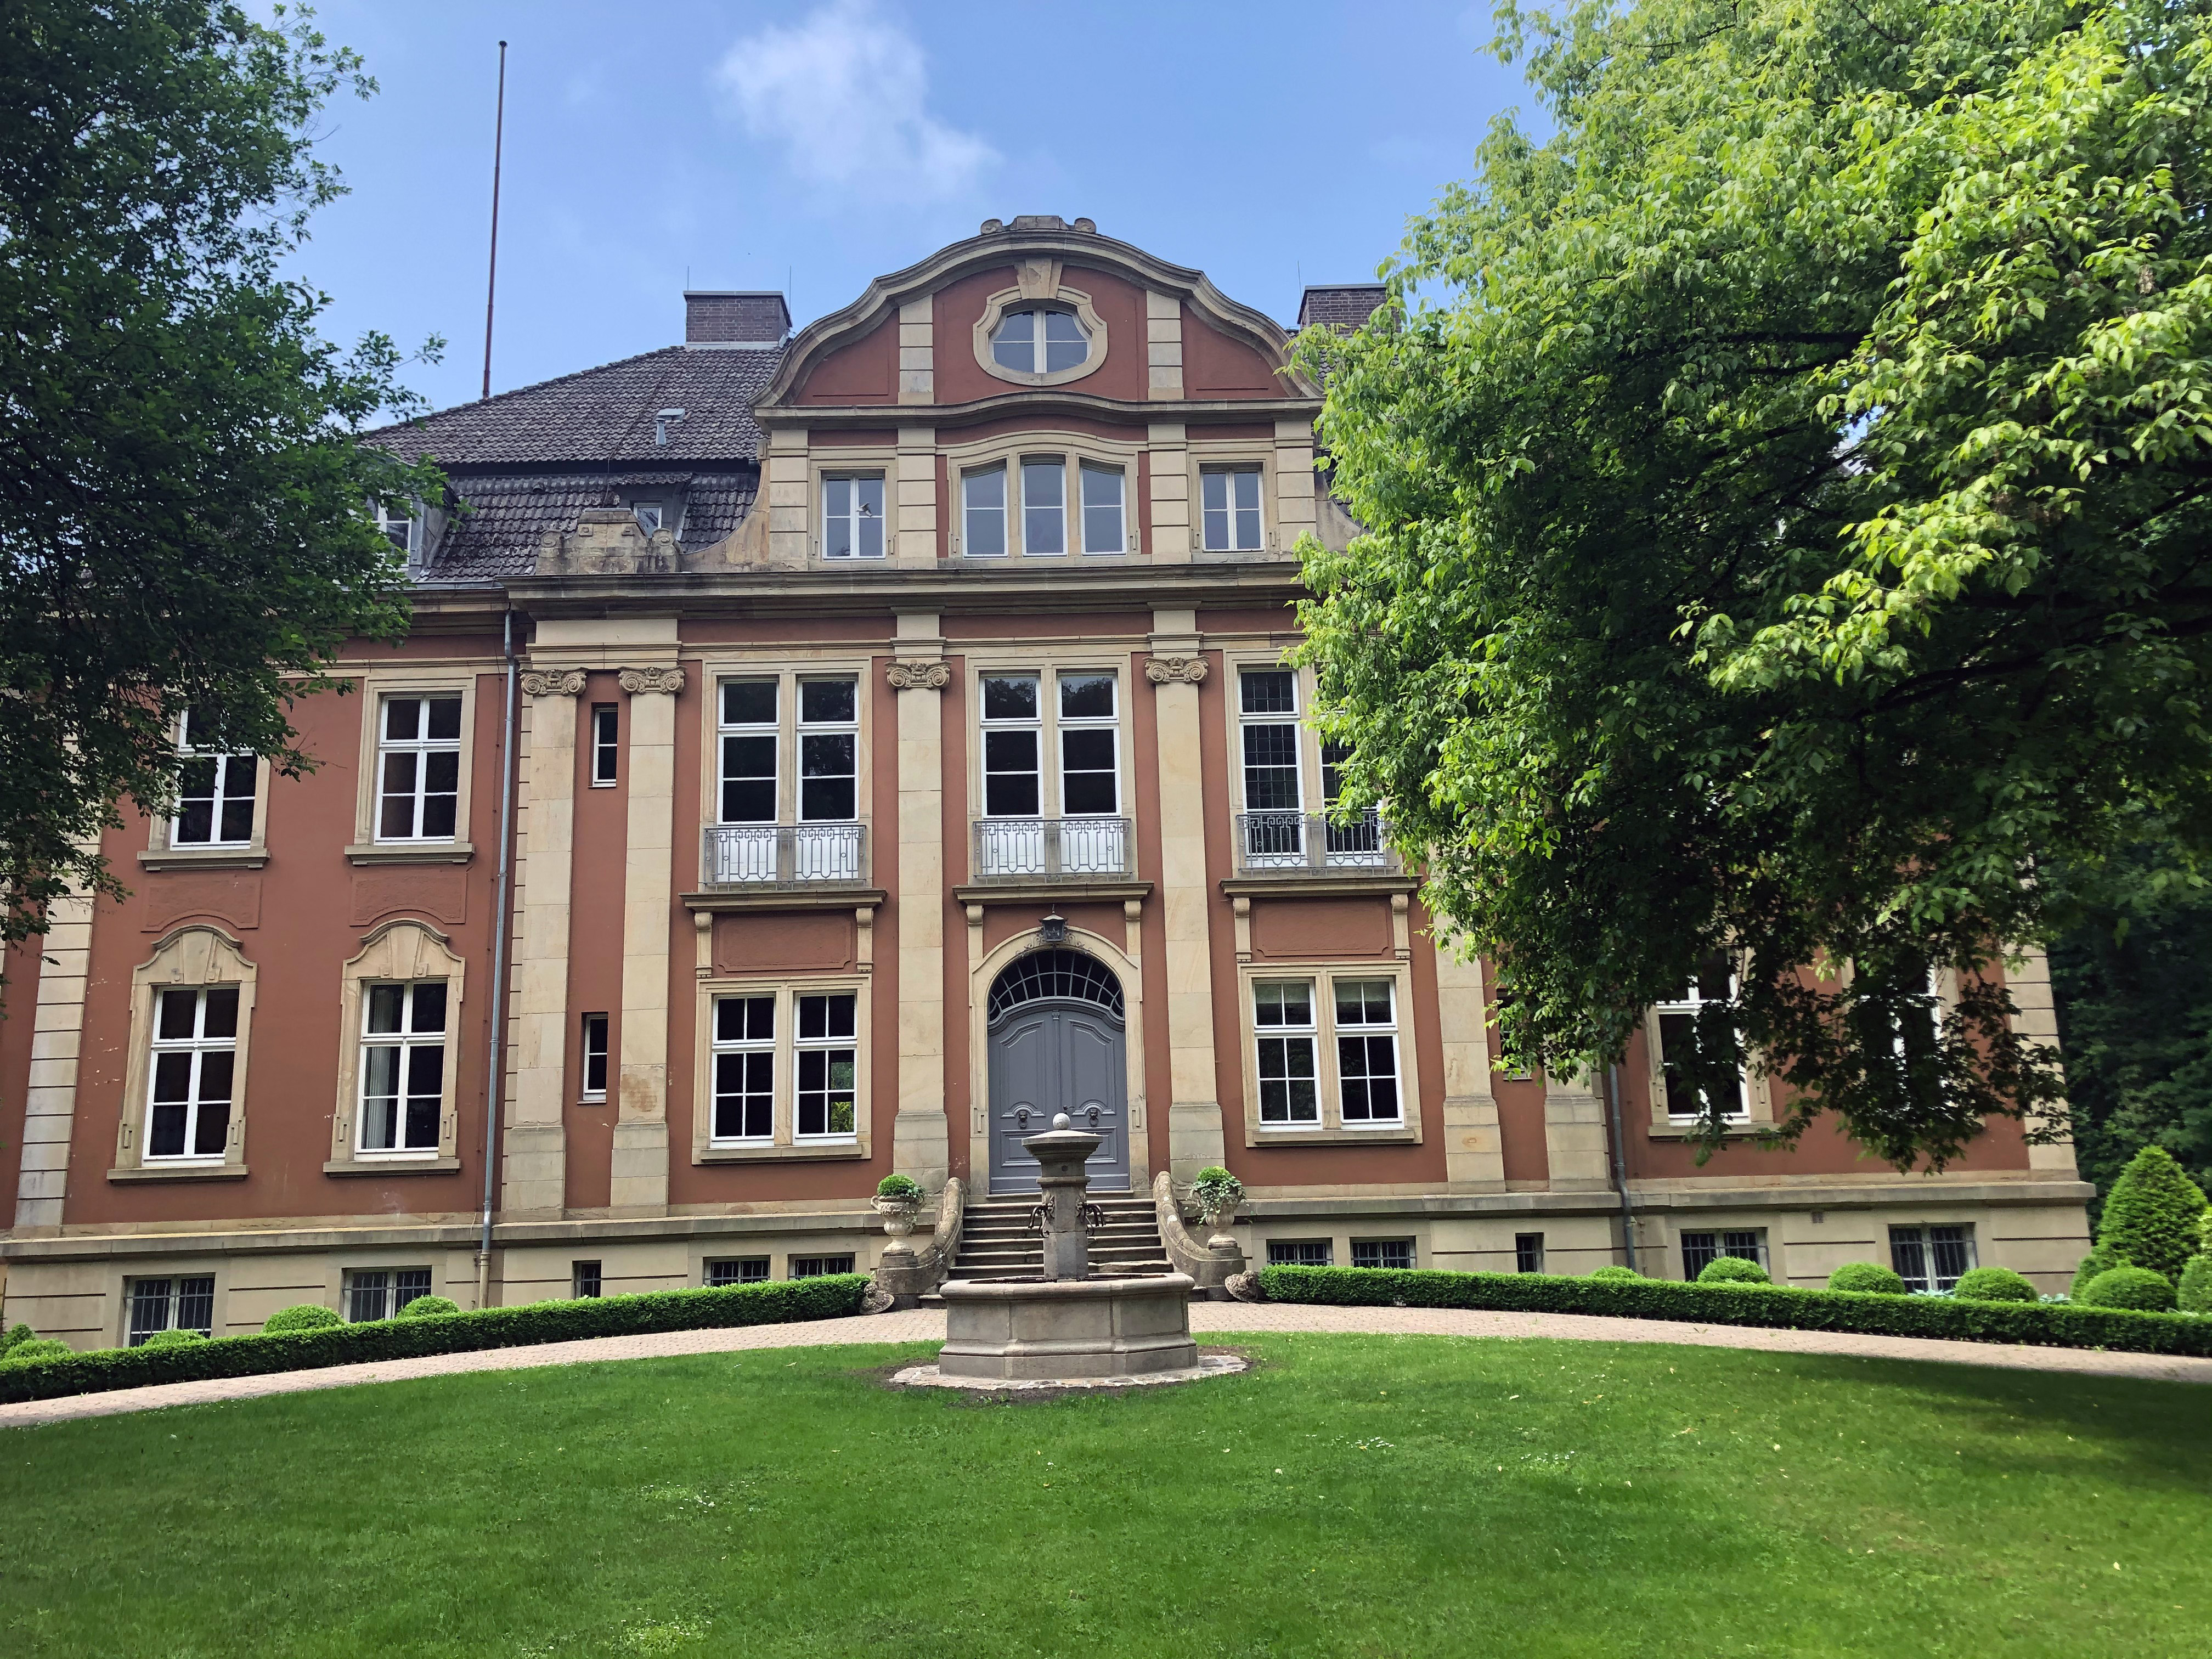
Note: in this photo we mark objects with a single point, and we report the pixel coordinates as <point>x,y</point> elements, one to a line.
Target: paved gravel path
<point>1208,1318</point>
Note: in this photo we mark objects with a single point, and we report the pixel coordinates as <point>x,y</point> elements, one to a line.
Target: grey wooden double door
<point>1057,1056</point>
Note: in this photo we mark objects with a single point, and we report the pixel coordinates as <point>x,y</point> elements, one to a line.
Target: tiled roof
<point>1346,306</point>
<point>509,515</point>
<point>605,414</point>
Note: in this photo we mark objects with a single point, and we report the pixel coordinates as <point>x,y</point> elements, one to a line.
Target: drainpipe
<point>1620,1167</point>
<point>503,919</point>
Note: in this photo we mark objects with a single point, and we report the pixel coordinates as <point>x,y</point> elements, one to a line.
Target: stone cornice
<point>1043,402</point>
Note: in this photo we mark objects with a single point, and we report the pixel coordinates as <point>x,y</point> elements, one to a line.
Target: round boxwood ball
<point>2129,1287</point>
<point>429,1306</point>
<point>1870,1278</point>
<point>303,1316</point>
<point>172,1340</point>
<point>1732,1270</point>
<point>39,1348</point>
<point>1993,1285</point>
<point>2194,1293</point>
<point>1617,1275</point>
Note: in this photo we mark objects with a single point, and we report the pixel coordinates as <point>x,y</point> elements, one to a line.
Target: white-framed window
<point>606,745</point>
<point>1528,1252</point>
<point>1044,505</point>
<point>1931,1259</point>
<point>1090,742</point>
<point>648,516</point>
<point>1013,733</point>
<point>1043,340</point>
<point>418,768</point>
<point>1105,514</point>
<point>170,1304</point>
<point>1367,1052</point>
<point>735,1270</point>
<point>745,1070</point>
<point>851,515</point>
<point>820,1266</point>
<point>403,529</point>
<point>1301,1253</point>
<point>829,751</point>
<point>1681,1029</point>
<point>1701,1249</point>
<point>983,511</point>
<point>748,738</point>
<point>193,1074</point>
<point>1229,509</point>
<point>826,734</point>
<point>1083,719</point>
<point>1289,1043</point>
<point>1383,1253</point>
<point>214,790</point>
<point>827,1068</point>
<point>1268,741</point>
<point>403,1066</point>
<point>381,1292</point>
<point>595,1057</point>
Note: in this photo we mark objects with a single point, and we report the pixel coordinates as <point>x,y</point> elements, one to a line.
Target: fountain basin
<point>1023,1330</point>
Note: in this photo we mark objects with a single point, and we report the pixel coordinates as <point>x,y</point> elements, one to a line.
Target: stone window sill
<point>178,1172</point>
<point>1408,1135</point>
<point>207,858</point>
<point>395,1166</point>
<point>435,852</point>
<point>842,1149</point>
<point>1672,1131</point>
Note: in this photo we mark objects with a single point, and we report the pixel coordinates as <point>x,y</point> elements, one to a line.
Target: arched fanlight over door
<point>1067,974</point>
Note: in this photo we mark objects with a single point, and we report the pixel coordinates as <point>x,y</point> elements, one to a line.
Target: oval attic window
<point>1039,341</point>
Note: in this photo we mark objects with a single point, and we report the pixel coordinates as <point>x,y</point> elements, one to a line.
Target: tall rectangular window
<point>214,790</point>
<point>1267,704</point>
<point>829,751</point>
<point>1012,729</point>
<point>193,1073</point>
<point>1090,757</point>
<point>1283,1012</point>
<point>852,515</point>
<point>983,512</point>
<point>381,1292</point>
<point>1528,1252</point>
<point>595,1057</point>
<point>744,1068</point>
<point>826,1066</point>
<point>606,745</point>
<point>1105,529</point>
<point>1696,1042</point>
<point>748,738</point>
<point>418,768</point>
<point>1931,1259</point>
<point>1367,1051</point>
<point>1044,505</point>
<point>1231,508</point>
<point>403,1066</point>
<point>171,1304</point>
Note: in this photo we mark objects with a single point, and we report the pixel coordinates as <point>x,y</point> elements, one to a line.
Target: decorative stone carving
<point>1170,671</point>
<point>918,676</point>
<point>552,681</point>
<point>636,680</point>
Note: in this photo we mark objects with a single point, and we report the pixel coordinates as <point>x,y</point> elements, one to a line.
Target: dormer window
<point>648,517</point>
<point>402,528</point>
<point>1039,341</point>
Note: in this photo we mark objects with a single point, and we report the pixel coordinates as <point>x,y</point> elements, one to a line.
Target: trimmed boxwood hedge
<point>2044,1325</point>
<point>775,1303</point>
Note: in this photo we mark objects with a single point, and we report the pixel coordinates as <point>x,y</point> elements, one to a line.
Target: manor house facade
<point>821,756</point>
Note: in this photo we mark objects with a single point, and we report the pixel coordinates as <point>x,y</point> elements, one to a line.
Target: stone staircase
<point>998,1242</point>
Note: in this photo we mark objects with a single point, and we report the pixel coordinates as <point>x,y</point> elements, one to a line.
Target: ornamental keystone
<point>635,680</point>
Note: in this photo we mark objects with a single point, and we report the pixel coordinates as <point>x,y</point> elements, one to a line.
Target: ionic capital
<point>637,680</point>
<point>918,676</point>
<point>1170,670</point>
<point>552,681</point>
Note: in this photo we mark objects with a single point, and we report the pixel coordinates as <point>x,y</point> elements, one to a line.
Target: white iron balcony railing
<point>1051,847</point>
<point>1268,841</point>
<point>785,854</point>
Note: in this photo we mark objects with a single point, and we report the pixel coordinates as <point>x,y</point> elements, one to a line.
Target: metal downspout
<point>1620,1167</point>
<point>502,921</point>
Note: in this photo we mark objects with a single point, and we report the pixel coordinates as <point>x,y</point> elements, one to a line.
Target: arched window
<point>1039,341</point>
<point>1056,973</point>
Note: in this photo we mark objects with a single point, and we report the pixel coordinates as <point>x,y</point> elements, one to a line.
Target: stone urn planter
<point>898,1211</point>
<point>1219,1195</point>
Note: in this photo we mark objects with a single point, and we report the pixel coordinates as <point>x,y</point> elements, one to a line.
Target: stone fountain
<point>1064,1325</point>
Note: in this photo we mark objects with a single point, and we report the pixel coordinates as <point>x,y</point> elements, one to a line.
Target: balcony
<point>1052,849</point>
<point>782,854</point>
<point>1308,843</point>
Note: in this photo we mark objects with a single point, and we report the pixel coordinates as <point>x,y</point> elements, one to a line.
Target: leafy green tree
<point>186,518</point>
<point>1787,490</point>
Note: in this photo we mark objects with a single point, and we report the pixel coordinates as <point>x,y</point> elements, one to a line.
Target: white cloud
<point>845,94</point>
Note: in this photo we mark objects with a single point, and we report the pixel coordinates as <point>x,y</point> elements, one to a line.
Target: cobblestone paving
<point>1214,1319</point>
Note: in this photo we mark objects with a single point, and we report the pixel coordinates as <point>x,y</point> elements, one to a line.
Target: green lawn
<point>1356,1496</point>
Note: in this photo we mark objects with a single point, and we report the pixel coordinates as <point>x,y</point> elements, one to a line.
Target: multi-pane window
<point>1383,1253</point>
<point>744,1068</point>
<point>749,746</point>
<point>1044,505</point>
<point>828,739</point>
<point>1700,1250</point>
<point>1290,1091</point>
<point>214,791</point>
<point>819,1266</point>
<point>1267,704</point>
<point>737,1270</point>
<point>1090,762</point>
<point>606,745</point>
<point>1300,1253</point>
<point>1039,342</point>
<point>171,1304</point>
<point>1698,1045</point>
<point>418,768</point>
<point>1367,1051</point>
<point>194,1072</point>
<point>401,528</point>
<point>1090,752</point>
<point>1105,526</point>
<point>983,511</point>
<point>1230,508</point>
<point>1528,1252</point>
<point>1014,726</point>
<point>829,751</point>
<point>1931,1258</point>
<point>852,515</point>
<point>595,1057</point>
<point>403,1065</point>
<point>381,1292</point>
<point>584,1280</point>
<point>827,1063</point>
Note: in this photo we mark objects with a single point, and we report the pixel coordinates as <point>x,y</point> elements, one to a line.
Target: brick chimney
<point>1342,305</point>
<point>728,318</point>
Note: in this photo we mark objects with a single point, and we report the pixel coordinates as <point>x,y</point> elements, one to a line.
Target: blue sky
<point>812,145</point>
